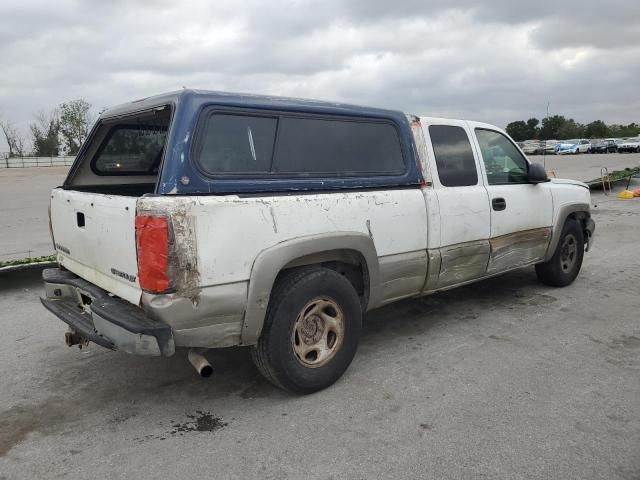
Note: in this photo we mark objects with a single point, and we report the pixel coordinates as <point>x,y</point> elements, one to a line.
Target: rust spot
<point>183,251</point>
<point>536,235</point>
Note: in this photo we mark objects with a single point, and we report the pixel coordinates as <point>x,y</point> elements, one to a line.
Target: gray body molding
<point>580,209</point>
<point>272,260</point>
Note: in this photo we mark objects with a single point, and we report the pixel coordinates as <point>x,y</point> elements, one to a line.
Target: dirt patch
<point>20,420</point>
<point>499,338</point>
<point>538,299</point>
<point>199,422</point>
<point>15,424</point>
<point>625,341</point>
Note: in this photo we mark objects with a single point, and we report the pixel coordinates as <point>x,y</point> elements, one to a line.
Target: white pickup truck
<point>202,220</point>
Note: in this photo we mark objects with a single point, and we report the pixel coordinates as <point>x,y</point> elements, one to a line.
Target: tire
<point>301,351</point>
<point>563,267</point>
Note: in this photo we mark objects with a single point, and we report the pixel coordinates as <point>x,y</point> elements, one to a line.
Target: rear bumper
<point>107,321</point>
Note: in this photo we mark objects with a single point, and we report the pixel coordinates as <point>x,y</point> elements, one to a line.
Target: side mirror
<point>537,174</point>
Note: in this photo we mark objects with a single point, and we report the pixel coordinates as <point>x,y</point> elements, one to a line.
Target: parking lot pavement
<point>506,378</point>
<point>586,167</point>
<point>24,197</point>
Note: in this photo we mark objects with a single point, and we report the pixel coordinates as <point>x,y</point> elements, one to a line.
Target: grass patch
<point>615,176</point>
<point>26,261</point>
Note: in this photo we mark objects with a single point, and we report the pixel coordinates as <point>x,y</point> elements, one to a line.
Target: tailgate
<point>95,238</point>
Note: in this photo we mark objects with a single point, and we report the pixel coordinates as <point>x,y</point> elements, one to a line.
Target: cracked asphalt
<point>505,378</point>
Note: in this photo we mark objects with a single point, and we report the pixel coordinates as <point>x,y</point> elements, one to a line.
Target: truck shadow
<point>75,384</point>
<point>234,372</point>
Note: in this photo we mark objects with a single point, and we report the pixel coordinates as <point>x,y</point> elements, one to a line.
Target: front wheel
<point>311,330</point>
<point>563,267</point>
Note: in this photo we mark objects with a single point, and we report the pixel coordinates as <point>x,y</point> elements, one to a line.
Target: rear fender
<point>271,261</point>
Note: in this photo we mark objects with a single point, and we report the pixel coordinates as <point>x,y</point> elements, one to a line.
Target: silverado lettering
<point>126,276</point>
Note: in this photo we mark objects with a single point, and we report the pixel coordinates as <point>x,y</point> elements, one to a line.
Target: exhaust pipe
<point>71,338</point>
<point>200,363</point>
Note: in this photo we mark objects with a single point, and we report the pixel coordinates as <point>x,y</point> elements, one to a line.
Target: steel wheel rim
<point>318,332</point>
<point>568,252</point>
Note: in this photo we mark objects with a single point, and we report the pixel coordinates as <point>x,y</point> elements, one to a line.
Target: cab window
<point>454,156</point>
<point>503,162</point>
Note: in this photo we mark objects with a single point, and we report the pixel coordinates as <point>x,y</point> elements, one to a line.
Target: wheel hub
<point>311,329</point>
<point>568,253</point>
<point>318,332</point>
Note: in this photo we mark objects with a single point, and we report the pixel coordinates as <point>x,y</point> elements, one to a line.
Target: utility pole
<point>544,152</point>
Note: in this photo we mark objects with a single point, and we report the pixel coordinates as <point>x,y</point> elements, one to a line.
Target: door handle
<point>498,204</point>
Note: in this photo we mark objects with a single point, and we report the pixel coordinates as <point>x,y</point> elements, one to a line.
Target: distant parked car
<point>533,148</point>
<point>572,147</point>
<point>630,145</point>
<point>605,146</point>
<point>584,146</point>
<point>550,147</point>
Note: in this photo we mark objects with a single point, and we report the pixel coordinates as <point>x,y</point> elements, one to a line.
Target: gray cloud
<point>495,61</point>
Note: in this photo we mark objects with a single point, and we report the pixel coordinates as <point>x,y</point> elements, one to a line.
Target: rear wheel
<point>563,267</point>
<point>311,330</point>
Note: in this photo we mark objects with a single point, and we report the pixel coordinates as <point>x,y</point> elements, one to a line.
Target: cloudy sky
<point>494,61</point>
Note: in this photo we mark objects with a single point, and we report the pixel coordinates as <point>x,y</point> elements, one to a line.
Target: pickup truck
<point>204,220</point>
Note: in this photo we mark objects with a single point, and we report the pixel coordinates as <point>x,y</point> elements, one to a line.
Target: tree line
<point>60,131</point>
<point>558,127</point>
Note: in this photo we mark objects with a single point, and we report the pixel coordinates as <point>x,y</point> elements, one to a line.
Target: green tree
<point>630,130</point>
<point>570,129</point>
<point>518,131</point>
<point>532,128</point>
<point>74,124</point>
<point>596,129</point>
<point>45,133</point>
<point>551,126</point>
<point>14,137</point>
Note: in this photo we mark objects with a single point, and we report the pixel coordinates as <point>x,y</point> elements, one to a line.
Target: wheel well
<point>582,218</point>
<point>348,263</point>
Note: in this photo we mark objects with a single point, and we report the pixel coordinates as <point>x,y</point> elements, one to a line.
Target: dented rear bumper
<point>108,321</point>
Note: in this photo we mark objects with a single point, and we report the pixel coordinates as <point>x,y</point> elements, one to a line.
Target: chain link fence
<point>28,161</point>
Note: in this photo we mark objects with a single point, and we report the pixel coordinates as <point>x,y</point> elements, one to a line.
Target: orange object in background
<point>636,192</point>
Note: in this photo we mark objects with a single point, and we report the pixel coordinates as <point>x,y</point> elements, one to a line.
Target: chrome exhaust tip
<point>200,363</point>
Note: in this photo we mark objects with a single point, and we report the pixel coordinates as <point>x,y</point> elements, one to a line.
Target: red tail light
<point>152,242</point>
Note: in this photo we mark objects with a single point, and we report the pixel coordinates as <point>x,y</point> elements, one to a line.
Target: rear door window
<point>454,157</point>
<point>284,146</point>
<point>311,146</point>
<point>236,144</point>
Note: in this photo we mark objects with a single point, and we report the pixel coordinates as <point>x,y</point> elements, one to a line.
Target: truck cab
<point>205,220</point>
